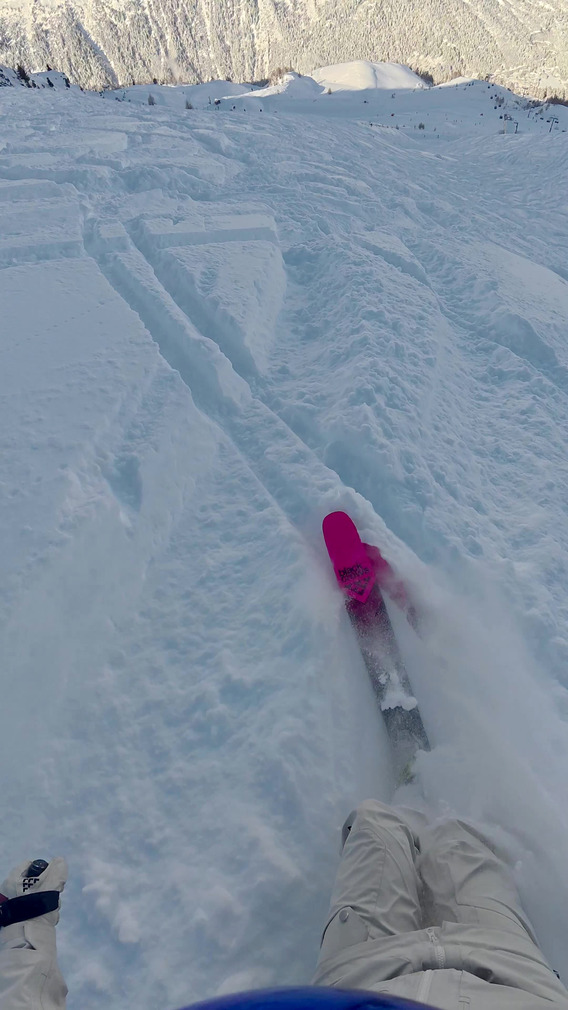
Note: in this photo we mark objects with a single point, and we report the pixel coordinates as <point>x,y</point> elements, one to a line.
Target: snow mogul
<point>421,915</point>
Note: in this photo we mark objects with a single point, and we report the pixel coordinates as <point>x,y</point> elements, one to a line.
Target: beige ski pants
<point>433,916</point>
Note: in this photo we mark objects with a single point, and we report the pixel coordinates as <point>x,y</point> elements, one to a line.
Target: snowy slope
<point>361,75</point>
<point>446,111</point>
<point>219,325</point>
<point>366,91</point>
<point>49,79</point>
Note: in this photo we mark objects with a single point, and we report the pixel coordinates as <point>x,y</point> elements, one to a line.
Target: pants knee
<point>375,816</point>
<point>370,810</point>
<point>367,813</point>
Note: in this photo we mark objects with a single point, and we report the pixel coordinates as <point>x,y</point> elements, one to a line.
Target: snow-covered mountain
<point>99,42</point>
<point>219,322</point>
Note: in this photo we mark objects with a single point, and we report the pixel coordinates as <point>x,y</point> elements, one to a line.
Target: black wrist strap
<point>28,906</point>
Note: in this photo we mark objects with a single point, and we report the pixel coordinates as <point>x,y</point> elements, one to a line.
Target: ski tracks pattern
<point>279,321</point>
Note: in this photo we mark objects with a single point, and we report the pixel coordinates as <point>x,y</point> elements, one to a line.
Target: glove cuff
<point>27,906</point>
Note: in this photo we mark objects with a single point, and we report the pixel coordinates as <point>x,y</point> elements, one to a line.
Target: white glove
<point>29,976</point>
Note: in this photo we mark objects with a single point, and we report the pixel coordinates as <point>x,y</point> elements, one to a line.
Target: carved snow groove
<point>262,437</point>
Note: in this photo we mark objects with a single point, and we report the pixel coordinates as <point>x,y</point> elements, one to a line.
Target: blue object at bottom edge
<point>308,998</point>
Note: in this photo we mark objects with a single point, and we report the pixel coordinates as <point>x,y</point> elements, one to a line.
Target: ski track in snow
<point>216,330</point>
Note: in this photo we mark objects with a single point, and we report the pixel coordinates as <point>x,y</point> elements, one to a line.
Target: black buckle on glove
<point>28,906</point>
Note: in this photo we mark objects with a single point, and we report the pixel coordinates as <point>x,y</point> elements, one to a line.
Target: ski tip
<point>338,527</point>
<point>354,569</point>
<point>332,517</point>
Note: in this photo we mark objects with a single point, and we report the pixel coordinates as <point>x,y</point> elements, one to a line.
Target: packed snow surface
<point>218,325</point>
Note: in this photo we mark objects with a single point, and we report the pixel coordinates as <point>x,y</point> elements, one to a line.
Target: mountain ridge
<point>99,44</point>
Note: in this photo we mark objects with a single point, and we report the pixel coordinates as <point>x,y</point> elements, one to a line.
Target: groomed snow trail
<point>217,327</point>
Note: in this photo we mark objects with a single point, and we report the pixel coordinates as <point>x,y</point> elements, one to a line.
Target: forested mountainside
<point>98,43</point>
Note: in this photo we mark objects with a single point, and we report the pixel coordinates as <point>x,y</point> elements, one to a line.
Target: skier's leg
<point>376,890</point>
<point>464,881</point>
